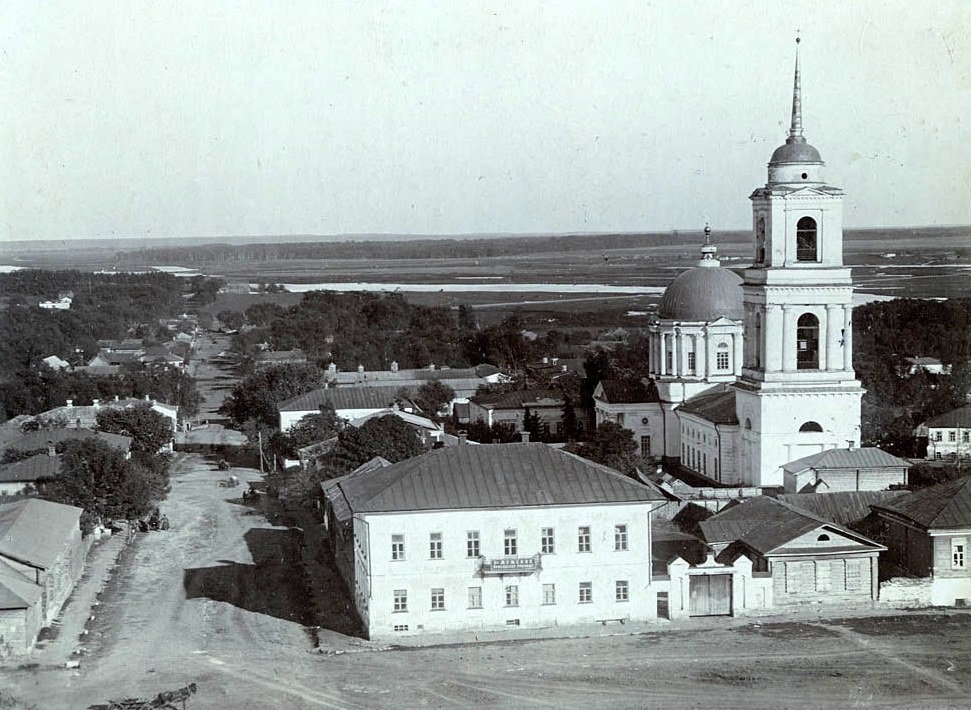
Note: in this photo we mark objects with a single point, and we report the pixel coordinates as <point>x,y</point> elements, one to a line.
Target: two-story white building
<point>498,535</point>
<point>949,434</point>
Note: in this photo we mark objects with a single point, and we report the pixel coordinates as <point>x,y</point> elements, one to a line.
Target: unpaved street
<point>219,601</point>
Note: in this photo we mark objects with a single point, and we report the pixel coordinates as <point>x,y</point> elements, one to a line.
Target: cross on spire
<point>795,128</point>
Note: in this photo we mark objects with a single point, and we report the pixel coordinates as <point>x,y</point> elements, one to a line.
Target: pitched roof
<point>491,476</point>
<point>717,406</point>
<point>421,374</point>
<point>518,399</point>
<point>16,591</point>
<point>843,507</point>
<point>629,391</point>
<point>865,457</point>
<point>960,417</point>
<point>35,468</point>
<point>342,398</point>
<point>41,438</point>
<point>335,495</point>
<point>945,506</point>
<point>34,531</point>
<point>767,524</point>
<point>406,417</point>
<point>281,355</point>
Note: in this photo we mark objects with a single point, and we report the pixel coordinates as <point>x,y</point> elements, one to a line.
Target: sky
<point>187,118</point>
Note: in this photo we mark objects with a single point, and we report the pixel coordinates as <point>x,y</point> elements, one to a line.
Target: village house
<point>56,363</point>
<point>348,402</point>
<point>809,559</point>
<point>930,365</point>
<point>624,402</point>
<point>41,558</point>
<point>949,434</point>
<point>79,416</point>
<point>494,536</point>
<point>24,476</point>
<point>512,407</point>
<point>863,469</point>
<point>45,440</point>
<point>926,534</point>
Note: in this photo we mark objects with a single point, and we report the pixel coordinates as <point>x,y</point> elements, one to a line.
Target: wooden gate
<point>710,594</point>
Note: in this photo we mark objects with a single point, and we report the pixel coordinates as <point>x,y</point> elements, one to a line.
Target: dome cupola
<point>705,292</point>
<point>795,161</point>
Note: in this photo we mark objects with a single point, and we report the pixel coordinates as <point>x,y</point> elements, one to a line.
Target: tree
<point>311,429</point>
<point>149,430</point>
<point>433,396</point>
<point>387,436</point>
<point>533,426</point>
<point>612,446</point>
<point>569,424</point>
<point>231,319</point>
<point>97,478</point>
<point>499,433</point>
<point>257,396</point>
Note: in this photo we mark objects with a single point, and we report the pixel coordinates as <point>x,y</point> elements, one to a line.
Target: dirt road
<point>219,601</point>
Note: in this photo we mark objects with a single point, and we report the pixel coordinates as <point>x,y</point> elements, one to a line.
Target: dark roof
<point>35,531</point>
<point>281,355</point>
<point>491,476</point>
<point>717,406</point>
<point>629,391</point>
<point>866,457</point>
<point>843,507</point>
<point>35,468</point>
<point>486,370</point>
<point>343,398</point>
<point>16,591</point>
<point>518,399</point>
<point>795,150</point>
<point>945,506</point>
<point>767,524</point>
<point>703,294</point>
<point>960,417</point>
<point>42,437</point>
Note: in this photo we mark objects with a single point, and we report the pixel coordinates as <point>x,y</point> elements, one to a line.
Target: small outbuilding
<point>834,470</point>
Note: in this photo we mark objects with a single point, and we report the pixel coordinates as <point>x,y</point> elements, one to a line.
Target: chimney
<point>147,398</point>
<point>96,403</point>
<point>116,398</point>
<point>546,360</point>
<point>463,437</point>
<point>394,365</point>
<point>360,368</point>
<point>431,366</point>
<point>525,435</point>
<point>50,449</point>
<point>70,403</point>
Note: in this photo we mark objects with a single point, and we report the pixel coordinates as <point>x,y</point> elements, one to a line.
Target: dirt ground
<point>220,600</point>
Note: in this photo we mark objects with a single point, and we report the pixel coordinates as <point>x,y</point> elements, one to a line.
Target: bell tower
<point>797,394</point>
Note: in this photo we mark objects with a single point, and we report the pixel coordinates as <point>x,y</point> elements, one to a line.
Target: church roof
<point>795,151</point>
<point>716,406</point>
<point>629,391</point>
<point>703,294</point>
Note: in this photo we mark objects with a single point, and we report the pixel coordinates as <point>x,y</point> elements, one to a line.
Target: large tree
<point>433,396</point>
<point>257,396</point>
<point>149,430</point>
<point>311,429</point>
<point>611,445</point>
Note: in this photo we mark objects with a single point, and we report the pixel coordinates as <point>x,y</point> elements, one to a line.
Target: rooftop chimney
<point>147,398</point>
<point>70,403</point>
<point>116,398</point>
<point>525,436</point>
<point>394,365</point>
<point>463,437</point>
<point>50,449</point>
<point>96,403</point>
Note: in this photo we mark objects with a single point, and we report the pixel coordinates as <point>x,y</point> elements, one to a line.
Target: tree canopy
<point>149,430</point>
<point>257,395</point>
<point>610,445</point>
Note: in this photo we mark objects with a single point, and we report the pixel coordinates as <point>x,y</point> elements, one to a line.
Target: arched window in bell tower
<point>760,240</point>
<point>807,342</point>
<point>757,345</point>
<point>806,241</point>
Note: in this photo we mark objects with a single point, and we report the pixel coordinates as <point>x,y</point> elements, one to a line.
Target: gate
<point>710,595</point>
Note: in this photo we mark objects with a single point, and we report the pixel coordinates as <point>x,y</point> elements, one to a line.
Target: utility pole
<point>260,435</point>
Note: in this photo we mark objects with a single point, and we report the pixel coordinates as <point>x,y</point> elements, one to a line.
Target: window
<point>621,590</point>
<point>691,362</point>
<point>823,538</point>
<point>966,436</point>
<point>823,576</point>
<point>938,436</point>
<point>583,539</point>
<point>807,342</point>
<point>667,361</point>
<point>438,599</point>
<point>472,543</point>
<point>400,627</point>
<point>952,436</point>
<point>549,594</point>
<point>620,419</point>
<point>760,240</point>
<point>400,600</point>
<point>547,543</point>
<point>397,547</point>
<point>435,546</point>
<point>586,592</point>
<point>645,446</point>
<point>806,239</point>
<point>509,546</point>
<point>475,597</point>
<point>721,357</point>
<point>937,455</point>
<point>810,426</point>
<point>512,595</point>
<point>958,549</point>
<point>620,538</point>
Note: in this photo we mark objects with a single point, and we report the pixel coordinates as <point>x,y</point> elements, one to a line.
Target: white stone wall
<point>944,443</point>
<point>455,573</point>
<point>643,419</point>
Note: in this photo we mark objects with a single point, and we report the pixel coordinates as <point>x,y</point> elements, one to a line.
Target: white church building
<point>753,372</point>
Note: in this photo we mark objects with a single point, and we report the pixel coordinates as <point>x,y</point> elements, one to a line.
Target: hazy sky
<point>284,117</point>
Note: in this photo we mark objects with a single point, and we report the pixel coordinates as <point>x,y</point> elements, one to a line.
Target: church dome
<point>795,151</point>
<point>703,294</point>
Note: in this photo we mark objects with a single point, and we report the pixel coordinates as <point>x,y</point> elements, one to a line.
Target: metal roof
<point>41,438</point>
<point>343,398</point>
<point>491,476</point>
<point>703,294</point>
<point>716,406</point>
<point>518,399</point>
<point>960,417</point>
<point>30,469</point>
<point>16,591</point>
<point>843,507</point>
<point>34,531</point>
<point>629,391</point>
<point>866,457</point>
<point>945,506</point>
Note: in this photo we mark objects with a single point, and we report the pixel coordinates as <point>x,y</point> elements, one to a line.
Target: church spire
<point>709,251</point>
<point>795,128</point>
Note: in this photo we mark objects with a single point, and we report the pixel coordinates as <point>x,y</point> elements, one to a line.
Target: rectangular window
<point>938,436</point>
<point>620,419</point>
<point>401,627</point>
<point>966,436</point>
<point>938,455</point>
<point>547,544</point>
<point>583,539</point>
<point>622,590</point>
<point>823,576</point>
<point>438,599</point>
<point>510,545</point>
<point>958,552</point>
<point>952,436</point>
<point>435,546</point>
<point>549,594</point>
<point>586,592</point>
<point>645,446</point>
<point>400,600</point>
<point>472,543</point>
<point>721,360</point>
<point>620,538</point>
<point>691,362</point>
<point>397,547</point>
<point>475,597</point>
<point>512,595</point>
